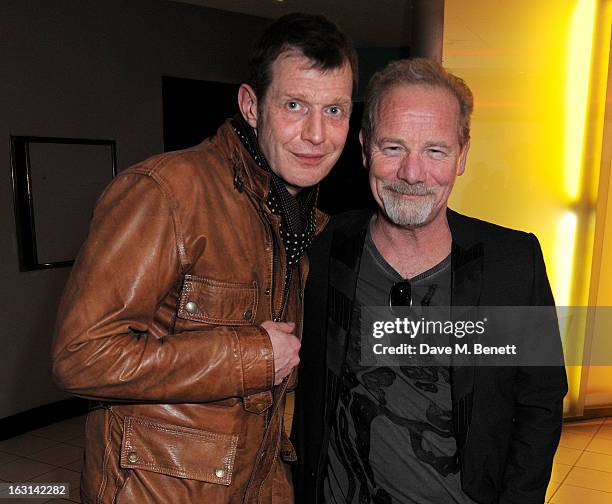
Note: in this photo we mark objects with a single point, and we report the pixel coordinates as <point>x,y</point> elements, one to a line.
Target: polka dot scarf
<point>297,213</point>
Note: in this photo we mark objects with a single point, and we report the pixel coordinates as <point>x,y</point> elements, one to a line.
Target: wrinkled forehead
<point>414,95</point>
<point>412,100</point>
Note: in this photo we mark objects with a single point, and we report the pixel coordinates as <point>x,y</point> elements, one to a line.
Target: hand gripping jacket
<point>160,325</point>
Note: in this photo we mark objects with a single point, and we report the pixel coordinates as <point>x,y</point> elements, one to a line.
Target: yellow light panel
<point>577,92</point>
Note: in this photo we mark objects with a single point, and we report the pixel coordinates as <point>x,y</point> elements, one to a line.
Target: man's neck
<point>411,251</point>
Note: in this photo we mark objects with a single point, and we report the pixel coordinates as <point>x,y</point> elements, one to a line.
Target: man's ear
<point>364,149</point>
<point>247,103</point>
<point>463,158</point>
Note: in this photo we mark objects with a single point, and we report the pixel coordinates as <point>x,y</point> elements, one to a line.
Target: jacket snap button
<point>191,307</point>
<point>267,291</point>
<point>220,472</point>
<point>133,457</point>
<point>247,315</point>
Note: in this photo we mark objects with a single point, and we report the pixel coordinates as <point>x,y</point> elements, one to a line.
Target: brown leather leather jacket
<point>160,323</point>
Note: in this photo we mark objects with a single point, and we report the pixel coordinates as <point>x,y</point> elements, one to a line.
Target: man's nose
<point>412,169</point>
<point>313,130</point>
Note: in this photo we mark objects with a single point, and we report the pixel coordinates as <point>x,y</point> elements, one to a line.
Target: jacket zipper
<point>285,383</point>
<point>276,317</point>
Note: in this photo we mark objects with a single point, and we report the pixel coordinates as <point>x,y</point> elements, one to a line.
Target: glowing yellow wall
<point>597,385</point>
<point>598,382</point>
<point>538,71</point>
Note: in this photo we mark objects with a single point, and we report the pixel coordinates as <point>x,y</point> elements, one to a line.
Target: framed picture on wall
<point>56,183</point>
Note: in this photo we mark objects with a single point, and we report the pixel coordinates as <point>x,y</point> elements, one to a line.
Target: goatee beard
<point>403,212</point>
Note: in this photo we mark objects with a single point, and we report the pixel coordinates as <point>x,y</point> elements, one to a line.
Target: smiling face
<point>414,155</point>
<point>303,120</point>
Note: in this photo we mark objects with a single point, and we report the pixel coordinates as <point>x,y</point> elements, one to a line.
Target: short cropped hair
<point>316,37</point>
<point>416,72</point>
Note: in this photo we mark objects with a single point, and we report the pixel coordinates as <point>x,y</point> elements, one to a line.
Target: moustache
<point>401,187</point>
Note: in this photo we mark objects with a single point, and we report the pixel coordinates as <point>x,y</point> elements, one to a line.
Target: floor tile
<point>559,472</point>
<point>605,431</point>
<point>59,475</point>
<point>600,445</point>
<point>61,431</point>
<point>22,469</point>
<point>79,420</point>
<point>77,465</point>
<point>568,494</point>
<point>59,455</point>
<point>6,457</point>
<point>578,441</point>
<point>77,441</point>
<point>589,478</point>
<point>25,444</point>
<point>552,488</point>
<point>597,461</point>
<point>566,456</point>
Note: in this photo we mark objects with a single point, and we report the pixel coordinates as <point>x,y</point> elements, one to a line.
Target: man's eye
<point>335,111</point>
<point>391,149</point>
<point>293,105</point>
<point>437,153</point>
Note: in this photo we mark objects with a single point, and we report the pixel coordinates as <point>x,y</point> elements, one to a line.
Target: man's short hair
<point>416,72</point>
<point>316,37</point>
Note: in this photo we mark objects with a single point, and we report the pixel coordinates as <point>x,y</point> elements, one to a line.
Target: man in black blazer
<point>420,434</point>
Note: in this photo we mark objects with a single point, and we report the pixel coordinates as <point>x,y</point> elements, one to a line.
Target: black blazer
<point>507,420</point>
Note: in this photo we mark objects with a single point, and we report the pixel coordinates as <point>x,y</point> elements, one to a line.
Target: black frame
<point>23,195</point>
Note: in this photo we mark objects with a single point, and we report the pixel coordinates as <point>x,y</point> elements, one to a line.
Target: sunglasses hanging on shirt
<point>400,294</point>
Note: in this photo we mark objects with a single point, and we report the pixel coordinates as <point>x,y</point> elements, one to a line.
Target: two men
<point>183,312</point>
<point>427,433</point>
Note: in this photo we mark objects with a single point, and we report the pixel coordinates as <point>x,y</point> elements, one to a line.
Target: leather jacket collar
<point>249,177</point>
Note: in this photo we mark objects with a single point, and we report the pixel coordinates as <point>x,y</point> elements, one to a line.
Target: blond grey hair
<point>417,72</point>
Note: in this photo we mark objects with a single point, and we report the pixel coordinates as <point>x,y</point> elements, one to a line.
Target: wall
<point>91,69</point>
<point>597,387</point>
<point>538,71</point>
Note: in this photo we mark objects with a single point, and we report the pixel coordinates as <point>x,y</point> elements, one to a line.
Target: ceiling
<point>370,23</point>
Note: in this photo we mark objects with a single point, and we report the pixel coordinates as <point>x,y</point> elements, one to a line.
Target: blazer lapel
<point>466,288</point>
<point>345,259</point>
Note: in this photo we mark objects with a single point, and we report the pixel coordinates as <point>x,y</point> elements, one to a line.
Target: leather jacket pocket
<point>258,403</point>
<point>216,302</point>
<point>178,451</point>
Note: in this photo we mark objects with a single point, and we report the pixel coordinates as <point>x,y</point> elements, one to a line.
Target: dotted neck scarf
<point>297,213</point>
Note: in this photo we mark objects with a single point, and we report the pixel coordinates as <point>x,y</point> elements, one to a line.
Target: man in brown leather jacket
<point>183,314</point>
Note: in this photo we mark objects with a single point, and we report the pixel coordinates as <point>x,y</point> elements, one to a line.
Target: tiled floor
<point>52,454</point>
<point>582,470</point>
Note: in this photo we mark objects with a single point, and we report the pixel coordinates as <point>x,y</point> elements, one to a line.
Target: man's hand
<point>285,346</point>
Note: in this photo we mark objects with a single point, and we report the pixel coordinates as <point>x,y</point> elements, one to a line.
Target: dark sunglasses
<point>400,294</point>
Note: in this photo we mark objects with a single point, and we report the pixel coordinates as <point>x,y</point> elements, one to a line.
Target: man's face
<point>303,120</point>
<point>414,155</point>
